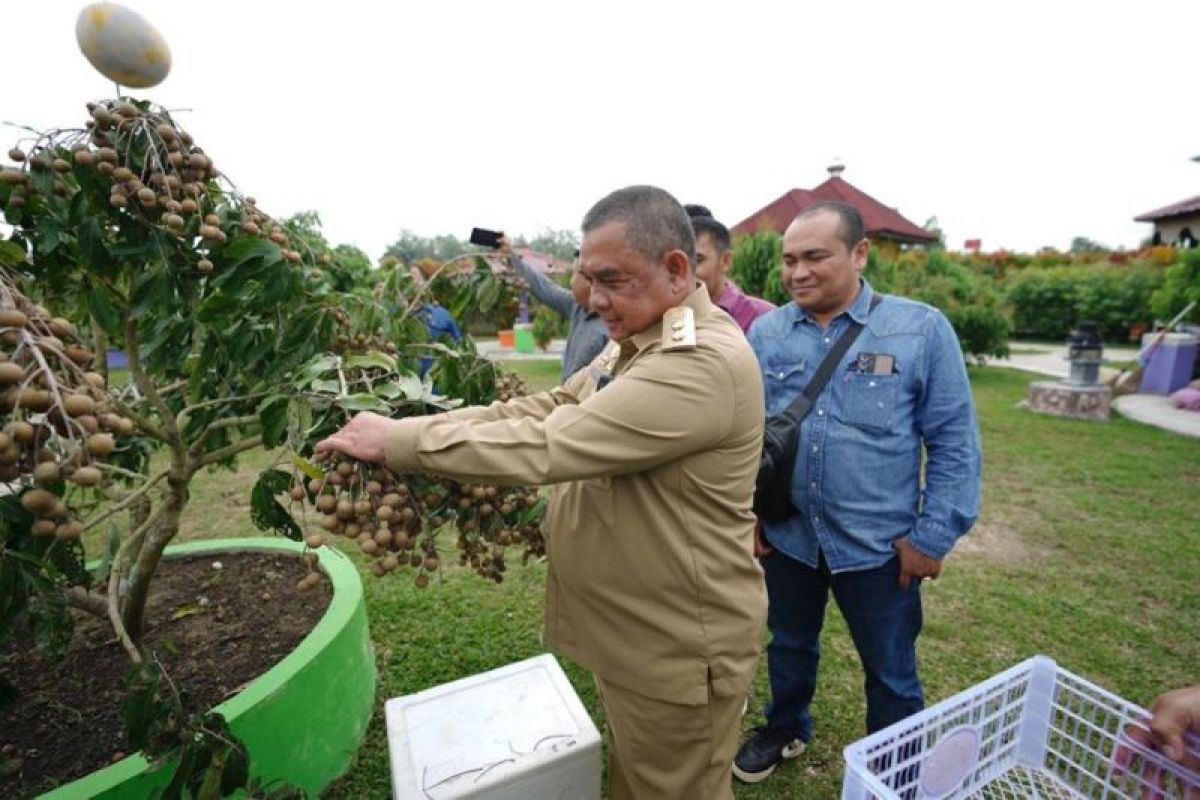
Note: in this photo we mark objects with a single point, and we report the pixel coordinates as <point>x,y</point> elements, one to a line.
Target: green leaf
<point>299,418</point>
<point>142,706</point>
<point>489,293</point>
<point>236,773</point>
<point>327,386</point>
<point>315,368</point>
<point>251,247</point>
<point>91,245</point>
<point>77,210</point>
<point>435,347</point>
<point>364,402</point>
<point>186,610</point>
<point>307,467</point>
<point>12,254</point>
<point>372,359</point>
<point>273,416</point>
<point>101,306</point>
<point>531,515</point>
<point>49,237</point>
<point>412,387</point>
<point>265,511</point>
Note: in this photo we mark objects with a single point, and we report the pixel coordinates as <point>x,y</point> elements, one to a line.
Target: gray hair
<point>655,222</point>
<point>850,223</point>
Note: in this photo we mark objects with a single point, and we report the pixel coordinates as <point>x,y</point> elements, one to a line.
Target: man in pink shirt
<point>714,257</point>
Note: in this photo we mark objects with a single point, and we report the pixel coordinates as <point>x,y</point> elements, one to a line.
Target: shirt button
<point>871,384</point>
<point>812,484</point>
<point>826,340</point>
<point>820,412</point>
<point>816,449</point>
<point>781,376</point>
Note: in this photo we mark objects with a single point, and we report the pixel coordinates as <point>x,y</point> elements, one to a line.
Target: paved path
<point>1150,409</point>
<point>1051,359</point>
<point>1156,409</point>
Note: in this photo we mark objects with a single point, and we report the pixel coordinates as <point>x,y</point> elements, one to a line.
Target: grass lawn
<point>1087,551</point>
<point>538,375</point>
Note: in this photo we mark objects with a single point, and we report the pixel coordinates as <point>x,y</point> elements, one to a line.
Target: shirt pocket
<point>869,401</point>
<point>783,381</point>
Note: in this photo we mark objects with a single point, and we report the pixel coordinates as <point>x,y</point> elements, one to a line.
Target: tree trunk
<point>141,575</point>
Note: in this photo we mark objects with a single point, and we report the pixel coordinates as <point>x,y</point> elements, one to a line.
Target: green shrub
<point>968,300</point>
<point>756,262</point>
<point>1047,302</point>
<point>1042,301</point>
<point>1180,286</point>
<point>547,324</point>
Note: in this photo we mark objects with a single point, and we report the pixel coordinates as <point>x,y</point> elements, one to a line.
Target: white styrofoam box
<point>516,733</point>
<point>1033,732</point>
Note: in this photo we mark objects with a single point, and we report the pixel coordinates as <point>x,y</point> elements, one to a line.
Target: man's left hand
<point>361,439</point>
<point>914,563</point>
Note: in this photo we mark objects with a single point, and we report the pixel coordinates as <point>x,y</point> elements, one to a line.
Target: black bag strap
<point>800,407</point>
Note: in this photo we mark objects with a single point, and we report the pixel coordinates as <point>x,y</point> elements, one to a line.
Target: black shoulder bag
<point>781,435</point>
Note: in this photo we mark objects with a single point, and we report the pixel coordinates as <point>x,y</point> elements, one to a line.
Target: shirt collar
<point>698,301</point>
<point>858,310</point>
<point>729,294</point>
<point>861,306</point>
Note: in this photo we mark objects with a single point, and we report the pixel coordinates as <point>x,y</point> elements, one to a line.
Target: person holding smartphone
<point>586,336</point>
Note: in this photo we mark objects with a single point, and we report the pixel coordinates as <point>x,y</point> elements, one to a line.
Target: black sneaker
<point>757,757</point>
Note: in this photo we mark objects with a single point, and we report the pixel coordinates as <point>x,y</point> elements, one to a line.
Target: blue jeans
<point>883,620</point>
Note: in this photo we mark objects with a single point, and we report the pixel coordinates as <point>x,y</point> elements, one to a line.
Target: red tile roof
<point>879,220</point>
<point>1192,204</point>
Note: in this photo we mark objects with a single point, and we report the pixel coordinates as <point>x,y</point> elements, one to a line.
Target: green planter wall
<point>303,719</point>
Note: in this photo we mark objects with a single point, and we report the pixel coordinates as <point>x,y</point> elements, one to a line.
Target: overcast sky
<point>1021,123</point>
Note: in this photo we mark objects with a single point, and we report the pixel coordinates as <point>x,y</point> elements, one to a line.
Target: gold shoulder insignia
<point>679,329</point>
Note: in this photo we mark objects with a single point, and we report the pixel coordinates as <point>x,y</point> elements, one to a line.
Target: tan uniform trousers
<point>663,751</point>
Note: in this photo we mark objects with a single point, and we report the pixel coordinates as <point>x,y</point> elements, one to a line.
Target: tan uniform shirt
<point>652,584</point>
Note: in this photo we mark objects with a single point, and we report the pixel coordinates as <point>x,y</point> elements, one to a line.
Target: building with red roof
<point>881,222</point>
<point>1177,224</point>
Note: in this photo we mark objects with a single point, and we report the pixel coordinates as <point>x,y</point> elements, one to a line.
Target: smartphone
<point>485,238</point>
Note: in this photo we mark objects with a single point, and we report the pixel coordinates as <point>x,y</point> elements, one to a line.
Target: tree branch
<point>137,476</point>
<point>217,456</point>
<point>129,500</point>
<point>119,567</point>
<point>144,423</point>
<point>228,422</point>
<point>188,410</point>
<point>146,387</point>
<point>92,603</point>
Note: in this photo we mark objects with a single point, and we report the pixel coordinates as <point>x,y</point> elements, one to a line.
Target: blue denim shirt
<point>857,478</point>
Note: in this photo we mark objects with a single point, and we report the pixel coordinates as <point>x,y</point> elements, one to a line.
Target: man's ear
<point>858,256</point>
<point>679,268</point>
<point>726,262</point>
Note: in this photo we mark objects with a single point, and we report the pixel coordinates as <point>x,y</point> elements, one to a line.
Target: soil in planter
<point>214,630</point>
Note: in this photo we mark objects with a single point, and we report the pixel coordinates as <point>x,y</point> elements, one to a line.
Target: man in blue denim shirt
<point>865,526</point>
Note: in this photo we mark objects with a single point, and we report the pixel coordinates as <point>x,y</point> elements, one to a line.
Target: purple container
<point>1170,365</point>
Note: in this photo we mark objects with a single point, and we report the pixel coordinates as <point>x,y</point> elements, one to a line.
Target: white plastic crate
<point>1034,731</point>
<point>515,733</point>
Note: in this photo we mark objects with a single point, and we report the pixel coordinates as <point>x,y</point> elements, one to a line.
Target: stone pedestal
<point>1069,400</point>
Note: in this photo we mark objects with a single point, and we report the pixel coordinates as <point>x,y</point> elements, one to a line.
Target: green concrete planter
<point>298,723</point>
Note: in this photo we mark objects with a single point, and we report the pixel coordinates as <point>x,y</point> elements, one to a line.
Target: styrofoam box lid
<point>461,738</point>
<point>1172,339</point>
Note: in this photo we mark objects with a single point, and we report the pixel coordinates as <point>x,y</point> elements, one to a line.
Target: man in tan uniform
<point>652,451</point>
